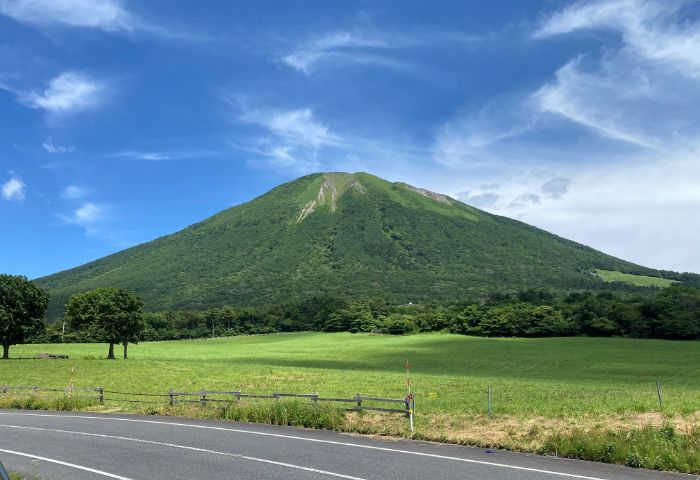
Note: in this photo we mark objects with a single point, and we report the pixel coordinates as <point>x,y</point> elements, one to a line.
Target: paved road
<point>81,446</point>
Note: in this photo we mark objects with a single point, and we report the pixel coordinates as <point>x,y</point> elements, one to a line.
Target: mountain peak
<point>334,185</point>
<point>340,234</point>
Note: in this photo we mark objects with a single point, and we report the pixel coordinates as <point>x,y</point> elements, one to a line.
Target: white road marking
<point>185,447</point>
<point>314,440</point>
<point>65,464</point>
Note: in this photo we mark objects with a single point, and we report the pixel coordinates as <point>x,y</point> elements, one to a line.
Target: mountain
<point>341,234</point>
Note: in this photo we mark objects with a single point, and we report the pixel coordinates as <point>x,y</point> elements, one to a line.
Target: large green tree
<point>22,308</point>
<point>111,315</point>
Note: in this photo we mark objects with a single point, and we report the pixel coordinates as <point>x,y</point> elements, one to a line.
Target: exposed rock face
<point>334,185</point>
<point>427,193</point>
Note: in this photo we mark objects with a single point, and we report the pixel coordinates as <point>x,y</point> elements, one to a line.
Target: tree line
<point>116,316</point>
<point>672,313</point>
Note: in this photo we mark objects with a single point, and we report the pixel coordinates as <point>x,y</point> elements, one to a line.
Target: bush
<point>396,324</point>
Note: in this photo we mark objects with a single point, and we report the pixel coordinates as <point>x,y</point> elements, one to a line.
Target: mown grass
<point>638,280</point>
<point>548,394</point>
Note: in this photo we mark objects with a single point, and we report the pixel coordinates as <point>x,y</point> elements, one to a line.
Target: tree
<point>110,314</point>
<point>22,308</point>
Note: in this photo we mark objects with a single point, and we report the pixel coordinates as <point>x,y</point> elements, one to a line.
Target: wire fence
<point>404,406</point>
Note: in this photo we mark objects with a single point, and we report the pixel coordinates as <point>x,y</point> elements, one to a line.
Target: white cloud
<point>614,127</point>
<point>68,93</point>
<point>108,15</point>
<point>366,48</point>
<point>148,156</point>
<point>639,90</point>
<point>641,211</point>
<point>298,126</point>
<point>88,213</point>
<point>157,156</point>
<point>657,31</point>
<point>14,189</point>
<point>73,192</point>
<point>88,216</point>
<point>340,48</point>
<point>290,139</point>
<point>51,147</point>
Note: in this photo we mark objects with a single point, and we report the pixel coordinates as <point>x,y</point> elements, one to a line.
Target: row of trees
<point>116,316</point>
<point>673,313</point>
<point>109,315</point>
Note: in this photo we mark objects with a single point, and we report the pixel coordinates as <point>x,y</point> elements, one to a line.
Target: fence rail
<point>204,397</point>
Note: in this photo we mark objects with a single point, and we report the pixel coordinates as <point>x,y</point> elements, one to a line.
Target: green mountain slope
<point>339,233</point>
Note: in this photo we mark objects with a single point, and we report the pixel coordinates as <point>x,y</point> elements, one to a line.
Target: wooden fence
<point>205,397</point>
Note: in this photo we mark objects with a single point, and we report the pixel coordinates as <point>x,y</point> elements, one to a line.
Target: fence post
<point>315,398</point>
<point>203,400</point>
<point>658,391</point>
<point>238,396</point>
<point>489,401</point>
<point>36,390</point>
<point>4,389</point>
<point>358,399</point>
<point>410,403</point>
<point>172,397</point>
<point>101,395</point>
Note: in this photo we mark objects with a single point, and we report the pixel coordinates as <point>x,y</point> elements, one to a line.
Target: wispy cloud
<point>106,15</point>
<point>14,189</point>
<point>68,93</point>
<point>617,121</point>
<point>288,138</point>
<point>159,156</point>
<point>656,31</point>
<point>300,140</point>
<point>52,147</point>
<point>366,48</point>
<point>297,127</point>
<point>467,138</point>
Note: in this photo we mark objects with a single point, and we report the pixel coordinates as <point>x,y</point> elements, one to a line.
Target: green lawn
<point>638,280</point>
<point>552,377</point>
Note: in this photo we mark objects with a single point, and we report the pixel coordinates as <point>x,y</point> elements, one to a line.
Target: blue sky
<point>121,121</point>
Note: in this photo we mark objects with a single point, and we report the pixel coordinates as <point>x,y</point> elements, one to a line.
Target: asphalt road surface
<point>80,446</point>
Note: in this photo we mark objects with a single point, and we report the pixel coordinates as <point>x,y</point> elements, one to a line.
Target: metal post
<point>203,400</point>
<point>658,391</point>
<point>359,401</point>
<point>172,397</point>
<point>489,400</point>
<point>101,393</point>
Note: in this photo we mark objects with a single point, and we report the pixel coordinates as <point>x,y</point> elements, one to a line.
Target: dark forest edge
<point>672,313</point>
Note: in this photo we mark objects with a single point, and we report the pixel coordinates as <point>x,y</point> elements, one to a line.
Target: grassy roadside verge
<point>651,441</point>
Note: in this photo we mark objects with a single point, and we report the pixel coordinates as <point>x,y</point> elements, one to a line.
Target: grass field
<point>548,376</point>
<point>541,387</point>
<point>638,280</point>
